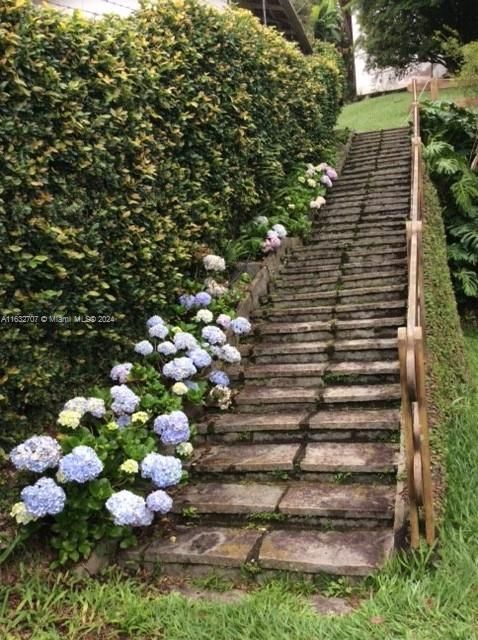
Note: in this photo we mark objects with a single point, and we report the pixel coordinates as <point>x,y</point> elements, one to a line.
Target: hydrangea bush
<point>116,453</point>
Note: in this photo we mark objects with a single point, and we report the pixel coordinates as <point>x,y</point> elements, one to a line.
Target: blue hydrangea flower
<point>81,465</point>
<point>187,301</point>
<point>240,326</point>
<point>36,454</point>
<point>76,404</point>
<point>123,421</point>
<point>191,385</point>
<point>159,502</point>
<point>128,509</point>
<point>185,340</point>
<point>125,400</point>
<point>120,372</point>
<point>44,498</point>
<point>179,369</point>
<point>200,358</point>
<point>164,471</point>
<point>173,428</point>
<point>202,299</point>
<point>166,348</point>
<point>96,407</point>
<point>144,348</point>
<point>160,423</point>
<point>158,331</point>
<point>213,334</point>
<point>219,378</point>
<point>154,320</point>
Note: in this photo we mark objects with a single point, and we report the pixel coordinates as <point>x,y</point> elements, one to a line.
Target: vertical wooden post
<point>407,425</point>
<point>434,89</point>
<point>424,438</point>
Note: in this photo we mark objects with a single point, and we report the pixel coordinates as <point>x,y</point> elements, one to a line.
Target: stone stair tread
<point>291,347</point>
<point>294,327</point>
<point>384,367</point>
<point>368,323</point>
<point>356,419</point>
<point>235,497</point>
<point>245,457</point>
<point>285,370</point>
<point>365,343</point>
<point>350,457</point>
<point>361,393</point>
<point>283,421</point>
<point>333,500</point>
<point>253,394</point>
<point>219,546</point>
<point>354,553</point>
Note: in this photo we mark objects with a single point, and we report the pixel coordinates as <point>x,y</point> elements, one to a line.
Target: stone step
<point>310,255</point>
<point>341,372</point>
<point>350,457</point>
<point>290,353</point>
<point>369,328</point>
<point>364,349</point>
<point>247,422</point>
<point>295,331</point>
<point>327,228</point>
<point>295,374</point>
<point>340,394</point>
<point>355,420</point>
<point>343,295</point>
<point>327,500</point>
<point>264,398</point>
<point>363,310</point>
<point>293,500</point>
<point>245,458</point>
<point>283,285</point>
<point>350,553</point>
<point>195,549</point>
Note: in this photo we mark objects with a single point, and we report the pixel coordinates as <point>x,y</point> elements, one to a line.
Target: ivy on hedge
<point>126,144</point>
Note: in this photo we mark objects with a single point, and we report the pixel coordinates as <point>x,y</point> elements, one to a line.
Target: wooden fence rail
<point>411,346</point>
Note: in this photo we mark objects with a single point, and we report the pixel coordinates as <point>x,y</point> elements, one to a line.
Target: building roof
<point>282,15</point>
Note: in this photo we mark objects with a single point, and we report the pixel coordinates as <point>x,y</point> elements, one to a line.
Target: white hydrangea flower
<point>312,183</point>
<point>204,315</point>
<point>185,449</point>
<point>69,418</point>
<point>21,514</point>
<point>261,220</point>
<point>179,388</point>
<point>215,289</point>
<point>214,263</point>
<point>317,203</point>
<point>130,466</point>
<point>311,170</point>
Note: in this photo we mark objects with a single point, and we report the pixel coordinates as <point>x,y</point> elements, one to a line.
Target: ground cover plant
<point>153,137</point>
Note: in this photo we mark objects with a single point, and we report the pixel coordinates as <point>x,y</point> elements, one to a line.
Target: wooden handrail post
<point>407,425</point>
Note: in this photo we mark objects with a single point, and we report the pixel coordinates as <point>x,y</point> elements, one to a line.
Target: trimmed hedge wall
<point>127,144</point>
<point>446,358</point>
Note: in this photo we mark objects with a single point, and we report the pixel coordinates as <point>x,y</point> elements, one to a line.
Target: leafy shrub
<point>449,133</point>
<point>127,145</point>
<point>103,458</point>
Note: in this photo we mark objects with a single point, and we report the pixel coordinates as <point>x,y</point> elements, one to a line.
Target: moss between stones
<point>446,360</point>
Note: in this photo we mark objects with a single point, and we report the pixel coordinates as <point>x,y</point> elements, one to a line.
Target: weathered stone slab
<point>313,369</point>
<point>273,395</point>
<point>233,422</point>
<point>361,393</point>
<point>385,367</point>
<point>222,546</point>
<point>215,497</point>
<point>350,457</point>
<point>259,457</point>
<point>294,327</point>
<point>292,347</point>
<point>363,344</point>
<point>336,552</point>
<point>329,606</point>
<point>356,419</point>
<point>370,323</point>
<point>339,501</point>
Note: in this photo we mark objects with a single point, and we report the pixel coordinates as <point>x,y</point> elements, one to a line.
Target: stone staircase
<point>301,476</point>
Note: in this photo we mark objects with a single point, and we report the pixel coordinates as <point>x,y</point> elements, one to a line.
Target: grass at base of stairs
<point>384,112</point>
<point>429,595</point>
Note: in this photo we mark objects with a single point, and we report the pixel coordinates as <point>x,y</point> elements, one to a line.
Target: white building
<point>384,79</point>
<point>94,8</point>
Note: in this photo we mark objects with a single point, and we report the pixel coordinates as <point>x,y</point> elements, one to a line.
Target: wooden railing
<point>411,346</point>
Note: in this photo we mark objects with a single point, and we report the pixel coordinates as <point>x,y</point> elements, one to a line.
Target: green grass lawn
<point>424,596</point>
<point>384,112</point>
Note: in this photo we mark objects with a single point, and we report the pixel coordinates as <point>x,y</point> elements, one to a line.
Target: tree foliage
<point>401,33</point>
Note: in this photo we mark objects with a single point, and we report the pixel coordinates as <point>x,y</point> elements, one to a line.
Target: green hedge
<point>126,145</point>
<point>446,360</point>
